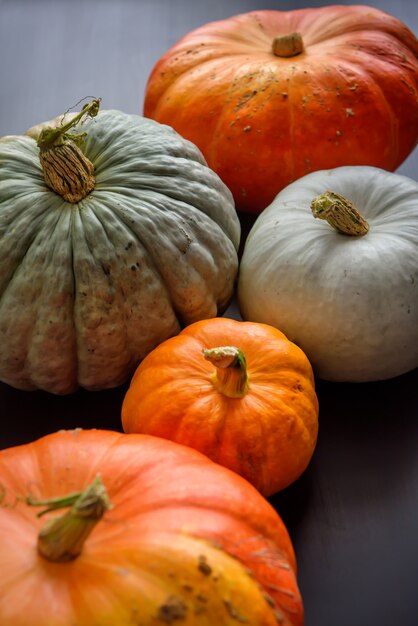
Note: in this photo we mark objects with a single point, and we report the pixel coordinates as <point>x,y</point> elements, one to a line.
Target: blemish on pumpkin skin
<point>233,612</point>
<point>269,600</point>
<point>244,99</point>
<point>279,616</point>
<point>349,112</point>
<point>203,566</point>
<point>173,609</point>
<point>201,598</point>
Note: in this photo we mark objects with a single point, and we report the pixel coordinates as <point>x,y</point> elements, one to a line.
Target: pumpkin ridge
<point>348,19</point>
<point>218,298</point>
<point>143,243</point>
<point>229,227</point>
<point>50,220</point>
<point>394,143</point>
<point>215,451</point>
<point>42,216</point>
<point>114,293</point>
<point>64,218</point>
<point>295,423</point>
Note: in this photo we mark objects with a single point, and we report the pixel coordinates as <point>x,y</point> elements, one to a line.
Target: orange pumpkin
<point>174,538</point>
<point>239,392</point>
<point>269,96</point>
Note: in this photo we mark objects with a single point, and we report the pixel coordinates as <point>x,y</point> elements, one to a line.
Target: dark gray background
<point>353,516</point>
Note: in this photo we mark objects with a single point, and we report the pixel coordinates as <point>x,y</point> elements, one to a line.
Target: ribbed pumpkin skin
<point>262,121</point>
<point>186,541</point>
<point>268,436</point>
<point>350,303</point>
<point>88,289</point>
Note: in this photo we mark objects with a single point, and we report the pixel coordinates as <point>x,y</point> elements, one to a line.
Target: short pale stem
<point>340,213</point>
<point>289,45</point>
<point>62,538</point>
<point>66,169</point>
<point>231,375</point>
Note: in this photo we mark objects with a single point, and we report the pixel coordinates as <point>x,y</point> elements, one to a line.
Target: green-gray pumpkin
<point>145,243</point>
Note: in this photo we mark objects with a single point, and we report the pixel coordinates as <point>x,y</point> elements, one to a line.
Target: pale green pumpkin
<point>89,286</point>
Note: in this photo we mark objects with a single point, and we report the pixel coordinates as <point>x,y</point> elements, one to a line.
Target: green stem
<point>62,538</point>
<point>51,136</point>
<point>66,170</point>
<point>340,213</point>
<point>231,375</point>
<point>287,45</point>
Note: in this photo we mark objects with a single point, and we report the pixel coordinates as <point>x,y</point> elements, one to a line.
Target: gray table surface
<point>353,515</point>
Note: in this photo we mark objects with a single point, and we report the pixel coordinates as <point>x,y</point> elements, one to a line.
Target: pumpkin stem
<point>287,45</point>
<point>61,539</point>
<point>231,375</point>
<point>340,213</point>
<point>66,169</point>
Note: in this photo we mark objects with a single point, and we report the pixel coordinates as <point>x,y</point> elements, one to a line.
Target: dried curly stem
<point>66,169</point>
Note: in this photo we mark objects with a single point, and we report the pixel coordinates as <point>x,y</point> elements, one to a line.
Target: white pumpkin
<point>350,302</point>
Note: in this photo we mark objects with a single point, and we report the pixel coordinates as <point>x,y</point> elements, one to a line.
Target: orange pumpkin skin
<point>267,436</point>
<point>262,121</point>
<point>185,540</point>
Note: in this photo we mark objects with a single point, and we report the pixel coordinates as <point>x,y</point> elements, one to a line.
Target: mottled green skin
<point>88,289</point>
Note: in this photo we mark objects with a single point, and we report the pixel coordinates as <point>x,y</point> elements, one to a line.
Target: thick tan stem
<point>287,45</point>
<point>66,169</point>
<point>230,376</point>
<point>340,213</point>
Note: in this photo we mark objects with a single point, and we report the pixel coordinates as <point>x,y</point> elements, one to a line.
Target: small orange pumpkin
<point>240,392</point>
<point>155,533</point>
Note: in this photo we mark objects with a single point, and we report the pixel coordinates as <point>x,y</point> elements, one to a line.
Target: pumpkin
<point>239,392</point>
<point>269,96</point>
<point>110,241</point>
<point>154,533</point>
<point>345,291</point>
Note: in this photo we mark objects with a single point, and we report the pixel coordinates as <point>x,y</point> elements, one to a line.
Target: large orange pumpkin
<point>185,540</point>
<point>269,96</point>
<point>239,392</point>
